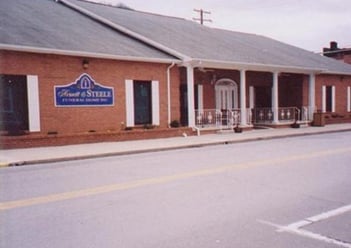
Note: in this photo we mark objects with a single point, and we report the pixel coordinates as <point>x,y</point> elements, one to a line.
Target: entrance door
<point>263,97</point>
<point>226,94</point>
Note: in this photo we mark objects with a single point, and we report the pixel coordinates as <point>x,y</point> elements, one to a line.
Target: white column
<point>190,89</point>
<point>311,96</point>
<point>243,120</point>
<point>275,98</point>
<point>33,103</point>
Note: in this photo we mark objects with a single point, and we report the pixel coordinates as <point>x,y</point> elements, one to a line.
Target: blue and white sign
<point>84,92</point>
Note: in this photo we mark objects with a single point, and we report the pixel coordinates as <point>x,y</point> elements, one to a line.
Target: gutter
<point>124,30</point>
<point>30,49</point>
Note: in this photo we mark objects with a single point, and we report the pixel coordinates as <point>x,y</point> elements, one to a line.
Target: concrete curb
<point>169,148</point>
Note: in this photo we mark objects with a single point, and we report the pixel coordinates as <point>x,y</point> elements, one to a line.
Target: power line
<point>202,13</point>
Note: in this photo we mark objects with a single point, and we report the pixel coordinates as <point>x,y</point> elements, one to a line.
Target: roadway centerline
<point>8,205</point>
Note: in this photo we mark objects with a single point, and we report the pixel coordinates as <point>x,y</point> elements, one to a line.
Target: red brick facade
<point>53,70</point>
<point>88,124</point>
<point>341,83</point>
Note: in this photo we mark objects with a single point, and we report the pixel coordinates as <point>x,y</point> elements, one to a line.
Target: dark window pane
<point>142,102</point>
<point>13,102</point>
<point>329,99</point>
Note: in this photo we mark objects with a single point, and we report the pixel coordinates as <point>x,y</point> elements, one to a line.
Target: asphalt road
<point>292,192</point>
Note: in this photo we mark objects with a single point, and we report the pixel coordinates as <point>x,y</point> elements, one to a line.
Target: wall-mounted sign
<point>83,92</point>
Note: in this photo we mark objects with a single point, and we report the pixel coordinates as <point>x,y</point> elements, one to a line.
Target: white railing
<point>262,115</point>
<point>286,115</point>
<point>228,119</point>
<point>289,115</point>
<point>220,119</point>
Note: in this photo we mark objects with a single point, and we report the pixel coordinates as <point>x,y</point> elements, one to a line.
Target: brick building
<point>343,54</point>
<point>73,71</point>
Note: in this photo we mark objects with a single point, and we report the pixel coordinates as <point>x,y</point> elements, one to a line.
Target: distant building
<point>337,53</point>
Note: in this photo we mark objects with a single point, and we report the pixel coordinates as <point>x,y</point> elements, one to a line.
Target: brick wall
<point>61,70</point>
<point>347,58</point>
<point>341,83</point>
<point>40,140</point>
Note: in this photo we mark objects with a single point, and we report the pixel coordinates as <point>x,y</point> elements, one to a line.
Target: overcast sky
<point>309,24</point>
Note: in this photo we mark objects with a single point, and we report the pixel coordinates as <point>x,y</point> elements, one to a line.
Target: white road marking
<point>329,214</point>
<point>317,236</point>
<point>296,227</point>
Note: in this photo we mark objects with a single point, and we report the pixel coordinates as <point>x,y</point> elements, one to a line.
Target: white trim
<point>333,98</point>
<point>155,103</point>
<point>220,64</point>
<point>33,103</point>
<point>324,99</point>
<point>348,99</point>
<point>129,103</point>
<point>30,49</point>
<point>200,97</point>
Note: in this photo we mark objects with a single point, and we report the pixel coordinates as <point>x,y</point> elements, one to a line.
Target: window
<point>328,98</point>
<point>142,102</point>
<point>13,102</point>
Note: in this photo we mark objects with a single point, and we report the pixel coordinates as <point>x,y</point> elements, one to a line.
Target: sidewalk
<point>27,156</point>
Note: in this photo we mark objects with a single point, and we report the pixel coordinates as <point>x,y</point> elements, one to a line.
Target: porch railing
<point>219,119</point>
<point>286,115</point>
<point>228,119</point>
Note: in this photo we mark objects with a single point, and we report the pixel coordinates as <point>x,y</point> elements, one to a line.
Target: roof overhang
<point>29,49</point>
<point>215,64</point>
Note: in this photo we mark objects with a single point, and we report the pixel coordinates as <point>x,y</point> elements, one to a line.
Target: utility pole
<point>201,19</point>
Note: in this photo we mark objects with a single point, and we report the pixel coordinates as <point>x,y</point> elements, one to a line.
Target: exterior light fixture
<point>85,64</point>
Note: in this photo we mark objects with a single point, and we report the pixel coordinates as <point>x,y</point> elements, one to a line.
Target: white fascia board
<point>29,49</point>
<point>125,30</point>
<point>218,64</point>
<point>336,73</point>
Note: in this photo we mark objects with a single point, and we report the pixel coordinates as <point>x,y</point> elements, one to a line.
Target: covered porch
<point>225,97</point>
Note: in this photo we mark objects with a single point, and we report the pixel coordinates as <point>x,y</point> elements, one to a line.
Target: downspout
<point>169,93</point>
